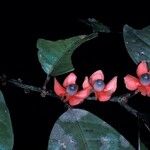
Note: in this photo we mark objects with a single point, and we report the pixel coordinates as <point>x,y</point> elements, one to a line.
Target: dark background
<point>23,23</point>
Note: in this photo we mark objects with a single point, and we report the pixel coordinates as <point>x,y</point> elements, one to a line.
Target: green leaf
<point>79,129</point>
<point>96,25</point>
<point>137,43</point>
<point>55,56</point>
<point>6,132</point>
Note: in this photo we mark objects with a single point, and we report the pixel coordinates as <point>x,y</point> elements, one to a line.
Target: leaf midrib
<point>74,46</point>
<point>82,133</point>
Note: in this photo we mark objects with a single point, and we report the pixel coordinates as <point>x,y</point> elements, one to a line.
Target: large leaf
<point>137,43</point>
<point>6,132</point>
<point>78,129</point>
<point>55,56</point>
<point>96,25</point>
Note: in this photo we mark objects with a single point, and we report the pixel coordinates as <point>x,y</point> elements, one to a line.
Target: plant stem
<point>30,87</point>
<point>46,82</point>
<point>122,100</point>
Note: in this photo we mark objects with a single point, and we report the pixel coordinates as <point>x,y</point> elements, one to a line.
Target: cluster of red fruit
<point>95,83</point>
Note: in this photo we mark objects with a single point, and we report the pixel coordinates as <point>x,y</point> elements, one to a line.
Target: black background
<point>23,23</point>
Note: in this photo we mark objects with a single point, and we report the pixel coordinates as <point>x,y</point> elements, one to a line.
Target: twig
<point>19,84</point>
<point>122,100</point>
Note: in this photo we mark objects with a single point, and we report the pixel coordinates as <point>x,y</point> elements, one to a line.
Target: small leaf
<point>55,56</point>
<point>96,25</point>
<point>79,129</point>
<point>137,43</point>
<point>6,132</point>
